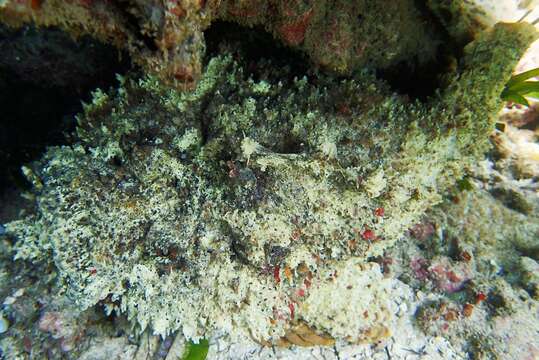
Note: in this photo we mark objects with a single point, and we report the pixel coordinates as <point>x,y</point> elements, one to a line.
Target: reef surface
<point>167,38</point>
<point>256,205</point>
<point>302,205</point>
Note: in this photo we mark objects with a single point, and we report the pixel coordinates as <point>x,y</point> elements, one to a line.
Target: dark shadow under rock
<point>44,75</point>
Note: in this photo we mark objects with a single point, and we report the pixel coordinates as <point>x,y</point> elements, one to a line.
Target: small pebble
<point>10,300</point>
<point>4,324</point>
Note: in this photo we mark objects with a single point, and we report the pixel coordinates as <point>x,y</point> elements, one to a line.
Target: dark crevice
<point>419,79</point>
<point>261,55</point>
<point>414,80</point>
<point>44,75</point>
<point>132,23</point>
<point>264,57</point>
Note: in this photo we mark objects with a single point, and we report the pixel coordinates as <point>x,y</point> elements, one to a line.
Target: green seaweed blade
<point>523,77</point>
<point>196,351</point>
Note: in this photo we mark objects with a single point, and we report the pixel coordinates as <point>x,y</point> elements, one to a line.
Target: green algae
<point>197,351</point>
<point>206,210</point>
<point>460,18</point>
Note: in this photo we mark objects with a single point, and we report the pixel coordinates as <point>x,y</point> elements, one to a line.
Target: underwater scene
<point>269,179</point>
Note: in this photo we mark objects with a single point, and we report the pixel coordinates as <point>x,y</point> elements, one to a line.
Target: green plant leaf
<point>522,77</point>
<point>516,98</point>
<point>196,351</point>
<point>534,95</point>
<point>525,87</point>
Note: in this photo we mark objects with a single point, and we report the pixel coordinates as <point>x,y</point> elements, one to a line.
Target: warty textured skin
<point>212,209</point>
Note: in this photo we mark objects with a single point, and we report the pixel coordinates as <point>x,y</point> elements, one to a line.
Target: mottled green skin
<point>178,207</point>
